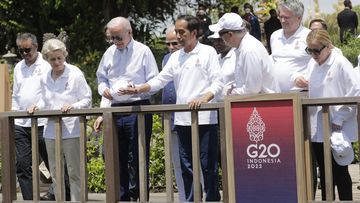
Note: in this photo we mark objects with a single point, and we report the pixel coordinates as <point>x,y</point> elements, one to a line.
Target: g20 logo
<point>263,151</point>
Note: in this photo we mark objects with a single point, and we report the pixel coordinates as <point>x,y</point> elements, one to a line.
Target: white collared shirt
<point>135,64</point>
<point>254,72</point>
<point>27,87</point>
<point>334,78</point>
<point>227,64</point>
<point>194,74</point>
<point>290,58</point>
<point>70,88</point>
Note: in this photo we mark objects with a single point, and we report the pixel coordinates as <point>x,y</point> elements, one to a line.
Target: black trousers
<point>341,175</point>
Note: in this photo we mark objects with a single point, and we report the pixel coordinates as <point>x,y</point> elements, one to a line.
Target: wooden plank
<point>224,169</point>
<point>168,157</point>
<point>195,155</point>
<point>35,158</point>
<point>8,159</point>
<point>83,169</point>
<point>142,158</point>
<point>5,97</point>
<point>112,179</point>
<point>310,193</point>
<point>327,153</point>
<point>59,175</point>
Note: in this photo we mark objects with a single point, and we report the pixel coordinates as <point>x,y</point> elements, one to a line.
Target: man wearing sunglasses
<point>27,92</point>
<point>288,45</point>
<point>127,62</point>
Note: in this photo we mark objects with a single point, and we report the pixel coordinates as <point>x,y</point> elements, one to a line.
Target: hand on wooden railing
<point>66,108</point>
<point>31,109</point>
<point>301,82</point>
<point>98,123</point>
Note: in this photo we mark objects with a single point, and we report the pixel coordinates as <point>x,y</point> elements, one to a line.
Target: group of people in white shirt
<point>127,75</point>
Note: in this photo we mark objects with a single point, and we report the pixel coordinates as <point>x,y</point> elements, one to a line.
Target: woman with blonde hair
<point>331,75</point>
<point>64,88</point>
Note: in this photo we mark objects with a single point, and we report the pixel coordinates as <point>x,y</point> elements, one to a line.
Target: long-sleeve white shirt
<point>290,58</point>
<point>27,87</point>
<point>70,88</point>
<point>254,68</point>
<point>135,64</point>
<point>194,74</point>
<point>334,78</point>
<point>227,65</point>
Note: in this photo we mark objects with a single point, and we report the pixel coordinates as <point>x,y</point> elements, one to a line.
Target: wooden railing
<point>110,144</point>
<point>111,158</point>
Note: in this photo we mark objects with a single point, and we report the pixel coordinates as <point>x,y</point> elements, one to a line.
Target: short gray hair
<point>119,21</point>
<point>295,6</point>
<point>170,29</point>
<point>26,36</point>
<point>53,45</point>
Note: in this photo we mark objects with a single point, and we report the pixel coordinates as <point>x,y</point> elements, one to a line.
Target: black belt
<point>134,103</point>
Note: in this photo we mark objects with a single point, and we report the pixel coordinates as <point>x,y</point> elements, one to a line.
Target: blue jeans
<point>209,154</point>
<point>127,130</point>
<point>24,159</point>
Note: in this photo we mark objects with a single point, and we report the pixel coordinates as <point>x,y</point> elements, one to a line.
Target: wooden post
<point>5,99</point>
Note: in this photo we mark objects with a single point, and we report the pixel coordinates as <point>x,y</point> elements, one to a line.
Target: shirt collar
<point>128,47</point>
<point>38,61</point>
<point>297,34</point>
<point>195,50</point>
<point>331,58</point>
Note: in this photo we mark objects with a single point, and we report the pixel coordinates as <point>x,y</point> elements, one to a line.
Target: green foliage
<point>356,151</point>
<point>157,156</point>
<point>351,50</point>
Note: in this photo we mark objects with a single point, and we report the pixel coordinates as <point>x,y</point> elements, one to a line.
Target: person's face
<point>171,42</point>
<point>289,21</point>
<point>219,45</point>
<point>56,59</point>
<point>228,38</point>
<point>120,36</point>
<point>27,50</point>
<point>316,25</point>
<point>318,51</point>
<point>185,37</point>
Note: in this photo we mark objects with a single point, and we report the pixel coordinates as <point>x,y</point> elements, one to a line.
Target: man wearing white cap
<point>254,67</point>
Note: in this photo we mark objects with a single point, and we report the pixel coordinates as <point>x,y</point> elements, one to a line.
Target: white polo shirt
<point>334,78</point>
<point>227,64</point>
<point>70,88</point>
<point>290,58</point>
<point>194,74</point>
<point>254,72</point>
<point>135,64</point>
<point>27,87</point>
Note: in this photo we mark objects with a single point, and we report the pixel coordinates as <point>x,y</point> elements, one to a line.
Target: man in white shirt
<point>27,92</point>
<point>254,68</point>
<point>195,71</point>
<point>288,46</point>
<point>127,60</point>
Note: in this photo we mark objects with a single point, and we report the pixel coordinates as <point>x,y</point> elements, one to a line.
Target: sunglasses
<point>314,51</point>
<point>24,50</point>
<point>172,43</point>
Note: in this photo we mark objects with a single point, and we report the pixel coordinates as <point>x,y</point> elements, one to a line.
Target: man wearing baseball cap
<point>254,68</point>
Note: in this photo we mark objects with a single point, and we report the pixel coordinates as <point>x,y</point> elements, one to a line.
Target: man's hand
<point>66,108</point>
<point>98,123</point>
<point>31,109</point>
<point>196,103</point>
<point>107,94</point>
<point>301,82</point>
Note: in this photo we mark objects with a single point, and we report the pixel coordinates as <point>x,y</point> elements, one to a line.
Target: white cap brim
<point>214,27</point>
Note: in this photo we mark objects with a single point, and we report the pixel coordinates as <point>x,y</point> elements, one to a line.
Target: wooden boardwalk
<point>161,197</point>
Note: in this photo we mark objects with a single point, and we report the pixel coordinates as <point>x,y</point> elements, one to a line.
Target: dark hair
<point>193,22</point>
<point>26,36</point>
<point>234,9</point>
<point>347,3</point>
<point>323,24</point>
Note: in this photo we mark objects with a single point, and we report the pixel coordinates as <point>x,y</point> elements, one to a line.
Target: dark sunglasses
<point>172,43</point>
<point>314,51</point>
<point>116,38</point>
<point>24,50</point>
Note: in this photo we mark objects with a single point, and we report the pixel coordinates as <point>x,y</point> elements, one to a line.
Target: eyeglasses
<point>172,43</point>
<point>314,51</point>
<point>116,38</point>
<point>24,50</point>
